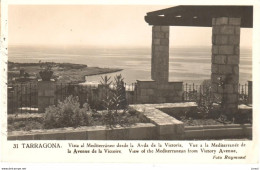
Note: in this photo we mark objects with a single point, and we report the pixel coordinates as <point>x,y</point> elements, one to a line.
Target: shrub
<point>206,100</point>
<point>107,100</point>
<point>122,118</point>
<point>67,114</point>
<point>46,72</point>
<point>114,100</point>
<point>119,94</point>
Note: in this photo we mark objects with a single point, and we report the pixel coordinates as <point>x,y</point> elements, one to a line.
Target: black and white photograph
<point>130,79</point>
<point>147,73</point>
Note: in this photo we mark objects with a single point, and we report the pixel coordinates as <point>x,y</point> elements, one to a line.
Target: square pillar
<point>45,95</point>
<point>160,54</point>
<point>225,61</point>
<point>250,94</point>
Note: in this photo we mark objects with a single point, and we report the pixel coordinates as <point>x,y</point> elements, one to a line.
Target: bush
<point>114,101</point>
<point>67,114</point>
<point>123,118</point>
<point>119,94</point>
<point>206,100</point>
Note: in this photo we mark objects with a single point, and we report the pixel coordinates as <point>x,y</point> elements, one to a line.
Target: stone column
<point>45,95</point>
<point>250,94</point>
<point>160,53</point>
<point>225,60</point>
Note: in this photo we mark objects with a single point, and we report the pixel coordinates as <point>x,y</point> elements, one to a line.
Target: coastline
<point>63,72</point>
<point>187,64</point>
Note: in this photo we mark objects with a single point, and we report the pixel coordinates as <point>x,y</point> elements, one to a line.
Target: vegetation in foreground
<point>69,113</point>
<point>210,110</point>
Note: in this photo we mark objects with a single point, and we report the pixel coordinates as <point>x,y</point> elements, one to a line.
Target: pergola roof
<point>199,16</point>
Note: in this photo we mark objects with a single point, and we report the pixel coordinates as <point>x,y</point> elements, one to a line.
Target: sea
<point>187,64</point>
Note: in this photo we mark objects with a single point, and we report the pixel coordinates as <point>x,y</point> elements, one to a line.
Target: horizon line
<point>108,46</point>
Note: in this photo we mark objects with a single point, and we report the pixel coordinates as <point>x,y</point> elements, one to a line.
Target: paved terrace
<point>167,126</point>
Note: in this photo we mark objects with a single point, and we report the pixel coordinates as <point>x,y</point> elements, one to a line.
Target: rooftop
<point>199,16</point>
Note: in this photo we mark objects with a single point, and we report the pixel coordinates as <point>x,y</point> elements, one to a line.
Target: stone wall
<point>159,89</point>
<point>139,131</point>
<point>225,60</point>
<point>160,53</point>
<point>45,95</point>
<point>168,128</point>
<point>156,92</point>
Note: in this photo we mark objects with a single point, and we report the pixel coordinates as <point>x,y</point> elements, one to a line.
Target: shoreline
<point>118,70</point>
<point>76,73</point>
<point>63,72</point>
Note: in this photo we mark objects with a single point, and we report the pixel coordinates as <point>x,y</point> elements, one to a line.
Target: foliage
<point>243,99</point>
<point>206,100</point>
<point>118,93</point>
<point>46,66</point>
<point>25,125</point>
<point>46,72</point>
<point>114,100</point>
<point>107,101</point>
<point>67,114</point>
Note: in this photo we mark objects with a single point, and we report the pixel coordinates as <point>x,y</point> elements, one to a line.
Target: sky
<point>97,25</point>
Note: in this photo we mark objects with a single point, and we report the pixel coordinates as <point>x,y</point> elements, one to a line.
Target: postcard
<point>130,82</point>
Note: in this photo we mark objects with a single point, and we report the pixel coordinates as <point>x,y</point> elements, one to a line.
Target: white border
<point>256,63</point>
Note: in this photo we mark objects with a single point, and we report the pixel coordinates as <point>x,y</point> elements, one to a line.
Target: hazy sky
<point>97,25</point>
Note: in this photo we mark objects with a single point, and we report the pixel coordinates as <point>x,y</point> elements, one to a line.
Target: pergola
<point>199,16</point>
<point>225,21</point>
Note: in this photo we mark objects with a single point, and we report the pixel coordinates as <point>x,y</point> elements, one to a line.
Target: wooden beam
<point>173,21</point>
<point>200,16</point>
